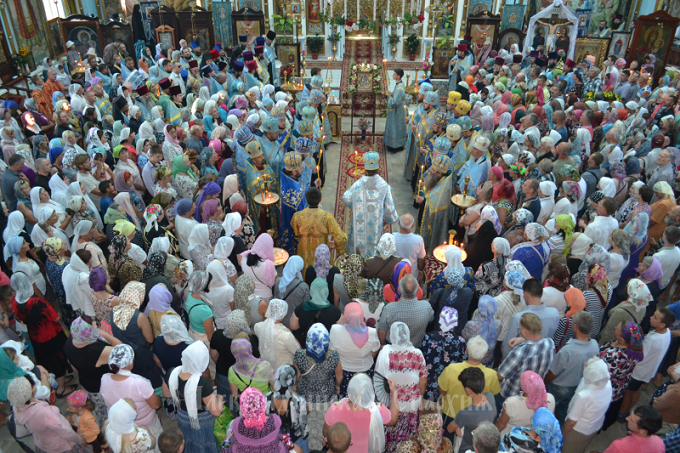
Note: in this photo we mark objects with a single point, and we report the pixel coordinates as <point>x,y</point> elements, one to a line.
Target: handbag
<point>222,424</point>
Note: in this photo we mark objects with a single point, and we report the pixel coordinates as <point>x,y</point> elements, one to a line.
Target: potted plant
<point>412,46</point>
<point>315,45</point>
<point>282,24</point>
<point>333,38</point>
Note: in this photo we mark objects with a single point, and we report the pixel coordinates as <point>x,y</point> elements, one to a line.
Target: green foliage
<point>282,24</point>
<point>393,39</point>
<point>412,44</point>
<point>315,44</point>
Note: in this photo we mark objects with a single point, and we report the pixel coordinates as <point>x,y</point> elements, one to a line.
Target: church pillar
<point>11,44</point>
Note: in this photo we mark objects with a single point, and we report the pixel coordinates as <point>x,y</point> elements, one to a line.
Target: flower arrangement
<point>415,21</point>
<point>426,65</point>
<point>351,26</point>
<point>393,39</point>
<point>375,76</point>
<point>286,71</point>
<point>363,124</point>
<point>609,96</point>
<point>22,56</point>
<point>333,37</point>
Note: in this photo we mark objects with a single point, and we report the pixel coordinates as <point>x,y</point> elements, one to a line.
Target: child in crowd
<point>81,406</point>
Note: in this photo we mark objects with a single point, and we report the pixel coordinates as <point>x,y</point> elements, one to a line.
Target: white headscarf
<point>23,286</point>
<point>174,330</point>
<point>360,391</point>
<point>121,422</point>
<point>229,187</point>
<point>221,293</point>
<point>199,236</point>
<point>608,187</point>
<point>232,222</point>
<point>292,269</point>
<point>83,227</point>
<point>276,310</point>
<point>145,133</point>
<point>267,91</point>
<point>595,376</point>
<point>160,244</point>
<point>548,188</point>
<point>195,359</point>
<point>125,205</point>
<point>38,236</point>
<point>77,286</point>
<point>223,248</point>
<point>453,258</point>
<point>204,94</point>
<point>158,123</point>
<point>15,225</point>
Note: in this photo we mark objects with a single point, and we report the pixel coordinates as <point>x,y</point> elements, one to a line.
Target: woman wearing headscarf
<point>473,214</point>
<point>319,369</point>
<point>371,301</point>
<point>484,324</point>
<point>410,373</point>
<point>258,264</point>
<point>518,410</point>
<point>515,234</point>
<point>666,202</point>
<point>76,189</point>
<point>254,426</point>
<point>650,272</point>
<point>318,308</point>
<point>210,191</point>
<point>50,430</point>
<point>289,406</point>
<point>546,192</point>
<point>101,295</point>
<point>184,224</point>
<point>22,189</point>
<point>18,248</point>
<point>322,269</point>
<point>125,183</point>
<point>588,406</point>
<point>637,228</point>
<point>479,248</point>
<point>638,200</point>
<point>453,257</point>
<point>631,310</point>
<point>621,355</point>
<point>16,226</point>
<point>563,225</point>
<point>171,343</point>
<point>43,325</point>
<point>578,247</point>
<point>277,343</point>
<point>187,387</point>
<point>246,370</point>
<point>489,276</point>
<point>123,384</point>
<point>503,199</point>
<point>510,301</point>
<point>533,253</point>
<point>391,291</point>
<point>122,269</point>
<point>131,326</point>
<point>543,436</point>
<point>619,256</point>
<point>290,287</point>
<point>381,266</point>
<point>576,302</point>
<point>9,142</point>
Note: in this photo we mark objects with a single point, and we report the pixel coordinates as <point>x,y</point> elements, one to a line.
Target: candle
<point>420,182</point>
<point>356,163</point>
<point>317,169</point>
<point>388,12</point>
<point>345,11</point>
<point>358,11</point>
<point>374,9</point>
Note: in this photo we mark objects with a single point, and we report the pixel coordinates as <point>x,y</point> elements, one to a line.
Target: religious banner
<point>145,8</point>
<point>479,6</point>
<point>513,16</point>
<point>250,23</point>
<point>27,18</point>
<point>555,27</point>
<point>583,22</point>
<point>222,22</point>
<point>653,40</point>
<point>597,47</point>
<point>619,44</point>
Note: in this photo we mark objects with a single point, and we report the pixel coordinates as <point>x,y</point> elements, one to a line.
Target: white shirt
<point>598,230</point>
<point>352,358</point>
<point>584,187</point>
<point>553,297</point>
<point>587,408</point>
<point>670,259</point>
<point>177,78</point>
<point>410,246</point>
<point>654,348</point>
<point>184,227</point>
<point>547,205</point>
<point>617,263</point>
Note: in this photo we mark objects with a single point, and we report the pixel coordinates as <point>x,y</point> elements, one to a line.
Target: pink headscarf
<point>210,208</point>
<point>264,248</point>
<point>540,96</point>
<point>498,112</point>
<point>355,324</point>
<point>577,114</point>
<point>216,145</point>
<point>534,387</point>
<point>253,406</point>
<point>168,138</point>
<point>505,98</point>
<point>498,173</point>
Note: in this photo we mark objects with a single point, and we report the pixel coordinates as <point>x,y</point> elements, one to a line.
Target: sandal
<point>67,392</point>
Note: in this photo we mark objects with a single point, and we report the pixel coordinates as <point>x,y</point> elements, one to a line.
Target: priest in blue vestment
<point>396,130</point>
<point>293,199</point>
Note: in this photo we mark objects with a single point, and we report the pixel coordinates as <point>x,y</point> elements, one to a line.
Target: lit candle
<point>420,182</point>
<point>356,162</point>
<point>317,170</point>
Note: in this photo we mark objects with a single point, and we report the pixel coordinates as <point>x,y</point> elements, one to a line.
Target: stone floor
<point>403,199</point>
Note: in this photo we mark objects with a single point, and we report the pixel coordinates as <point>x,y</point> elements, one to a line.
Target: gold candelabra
<point>329,77</point>
<point>462,20</point>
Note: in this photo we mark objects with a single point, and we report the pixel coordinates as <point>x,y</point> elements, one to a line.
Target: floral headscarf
<point>246,365</point>
<point>558,277</point>
<point>566,224</point>
<point>546,425</point>
<point>489,213</point>
<point>518,168</point>
<point>536,231</point>
<point>596,255</point>
<point>182,273</point>
<point>236,323</point>
<point>638,225</point>
<point>622,240</point>
<point>317,342</point>
<point>52,247</point>
<point>151,214</point>
<point>523,217</point>
<point>155,265</point>
<point>532,384</point>
<point>617,170</point>
<point>322,261</point>
<point>487,308</point>
<point>373,295</point>
<point>83,332</point>
<point>572,189</point>
<point>243,288</point>
<point>117,249</point>
<point>284,382</point>
<point>253,408</point>
<point>131,299</point>
<point>455,279</point>
<point>387,246</point>
<point>430,432</point>
<point>597,280</point>
<point>400,270</point>
<point>353,283</point>
<point>632,334</point>
<point>638,294</point>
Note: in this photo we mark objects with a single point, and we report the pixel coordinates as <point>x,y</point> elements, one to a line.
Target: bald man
<point>410,245</point>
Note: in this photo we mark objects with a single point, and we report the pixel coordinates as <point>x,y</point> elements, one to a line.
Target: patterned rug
<point>368,51</point>
<point>351,168</point>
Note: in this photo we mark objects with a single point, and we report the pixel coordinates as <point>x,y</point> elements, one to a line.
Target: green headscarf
<point>178,166</point>
<point>566,224</point>
<point>117,150</point>
<point>153,94</point>
<point>8,371</point>
<point>319,293</point>
<point>112,215</point>
<point>124,227</point>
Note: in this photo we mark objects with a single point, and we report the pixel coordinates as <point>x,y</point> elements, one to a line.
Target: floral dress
<point>215,230</point>
<point>185,185</point>
<point>318,388</point>
<point>488,279</point>
<point>102,308</point>
<point>87,214</point>
<point>248,233</point>
<point>620,367</point>
<point>440,281</point>
<point>441,349</point>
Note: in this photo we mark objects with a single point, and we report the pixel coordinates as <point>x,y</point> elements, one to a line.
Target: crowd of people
<point>146,212</point>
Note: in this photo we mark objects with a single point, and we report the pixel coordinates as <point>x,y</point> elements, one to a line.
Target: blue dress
<point>534,258</point>
<point>396,131</point>
<point>54,273</point>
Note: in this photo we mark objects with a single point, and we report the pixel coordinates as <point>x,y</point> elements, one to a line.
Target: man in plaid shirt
<point>592,82</point>
<point>672,441</point>
<point>530,352</point>
<point>416,314</point>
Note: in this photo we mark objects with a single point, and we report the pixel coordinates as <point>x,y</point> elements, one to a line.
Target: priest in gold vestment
<point>313,226</point>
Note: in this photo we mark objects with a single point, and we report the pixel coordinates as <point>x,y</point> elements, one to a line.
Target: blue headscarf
<point>56,143</point>
<point>487,308</point>
<point>235,87</point>
<point>212,188</point>
<point>183,206</point>
<point>13,247</point>
<point>54,154</point>
<point>55,96</point>
<point>317,343</point>
<point>546,425</point>
<point>209,125</point>
<point>549,115</point>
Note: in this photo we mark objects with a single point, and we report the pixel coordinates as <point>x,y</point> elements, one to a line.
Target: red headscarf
<point>538,110</point>
<point>623,114</point>
<point>498,173</point>
<point>597,119</point>
<point>504,191</point>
